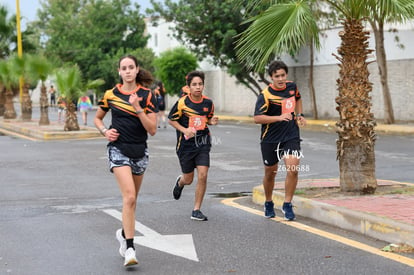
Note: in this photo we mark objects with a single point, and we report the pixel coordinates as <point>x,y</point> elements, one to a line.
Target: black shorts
<point>190,160</point>
<point>272,153</point>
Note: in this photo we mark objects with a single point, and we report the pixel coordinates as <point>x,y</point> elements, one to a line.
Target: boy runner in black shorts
<point>190,116</point>
<point>279,110</point>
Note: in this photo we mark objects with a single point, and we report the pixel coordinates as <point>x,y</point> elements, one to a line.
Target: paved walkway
<point>386,217</point>
<point>389,218</point>
<point>381,205</point>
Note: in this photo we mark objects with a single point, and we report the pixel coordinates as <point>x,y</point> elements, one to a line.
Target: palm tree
<point>40,68</point>
<point>9,79</point>
<point>285,28</point>
<point>19,67</point>
<point>69,82</point>
<point>2,98</point>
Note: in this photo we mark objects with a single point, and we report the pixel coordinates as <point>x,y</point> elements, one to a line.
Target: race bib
<point>198,122</point>
<point>288,105</point>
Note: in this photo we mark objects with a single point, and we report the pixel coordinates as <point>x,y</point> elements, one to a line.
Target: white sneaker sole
<point>131,261</point>
<point>122,248</point>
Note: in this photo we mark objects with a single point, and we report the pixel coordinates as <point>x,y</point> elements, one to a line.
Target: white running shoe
<point>130,257</point>
<point>122,242</point>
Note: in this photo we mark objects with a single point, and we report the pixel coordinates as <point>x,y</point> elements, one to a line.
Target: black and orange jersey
<point>185,90</point>
<point>274,102</point>
<point>190,113</point>
<point>124,118</point>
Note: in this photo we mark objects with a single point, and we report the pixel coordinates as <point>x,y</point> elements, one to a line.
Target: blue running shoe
<point>269,209</point>
<point>287,209</point>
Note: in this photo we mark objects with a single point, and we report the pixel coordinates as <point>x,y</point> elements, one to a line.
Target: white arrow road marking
<point>179,245</point>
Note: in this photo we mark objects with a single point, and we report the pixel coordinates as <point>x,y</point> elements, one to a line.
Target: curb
<point>330,125</point>
<point>360,222</point>
<point>48,132</point>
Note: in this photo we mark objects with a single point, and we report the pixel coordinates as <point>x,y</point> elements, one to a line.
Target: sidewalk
<point>374,216</point>
<point>53,131</point>
<point>388,218</point>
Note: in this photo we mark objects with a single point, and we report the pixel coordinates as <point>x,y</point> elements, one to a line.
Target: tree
<point>19,67</point>
<point>172,66</point>
<point>9,79</point>
<point>91,34</point>
<point>8,35</point>
<point>286,28</point>
<point>7,26</point>
<point>381,12</point>
<point>40,68</point>
<point>8,50</point>
<point>209,30</point>
<point>70,84</point>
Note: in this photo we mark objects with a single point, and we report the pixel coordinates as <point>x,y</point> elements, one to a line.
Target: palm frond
<point>283,28</point>
<point>68,82</point>
<point>39,67</point>
<point>392,10</point>
<point>93,84</point>
<point>8,76</point>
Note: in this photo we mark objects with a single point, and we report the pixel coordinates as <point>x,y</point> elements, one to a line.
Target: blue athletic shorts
<point>117,159</point>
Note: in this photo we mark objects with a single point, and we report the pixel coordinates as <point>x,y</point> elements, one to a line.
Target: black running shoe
<point>198,216</point>
<point>177,189</point>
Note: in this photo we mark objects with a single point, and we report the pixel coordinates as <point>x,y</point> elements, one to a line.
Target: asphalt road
<point>56,200</point>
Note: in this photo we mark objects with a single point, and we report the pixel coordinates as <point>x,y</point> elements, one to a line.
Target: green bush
<point>171,68</point>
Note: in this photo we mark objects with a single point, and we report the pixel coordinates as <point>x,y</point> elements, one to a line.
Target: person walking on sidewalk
<point>133,110</point>
<point>190,116</point>
<point>279,110</point>
<point>52,92</point>
<point>84,106</point>
<point>159,92</point>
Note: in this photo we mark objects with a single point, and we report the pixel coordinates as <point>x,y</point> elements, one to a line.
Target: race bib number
<point>288,105</point>
<point>198,122</point>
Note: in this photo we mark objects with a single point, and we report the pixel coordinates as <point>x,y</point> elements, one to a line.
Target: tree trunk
<point>2,99</point>
<point>311,86</point>
<point>71,122</point>
<point>383,72</point>
<point>355,128</point>
<point>26,104</point>
<point>9,111</point>
<point>44,105</point>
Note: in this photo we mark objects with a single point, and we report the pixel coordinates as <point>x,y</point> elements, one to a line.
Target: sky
<point>28,8</point>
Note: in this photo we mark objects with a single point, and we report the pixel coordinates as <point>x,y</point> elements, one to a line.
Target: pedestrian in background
<point>84,106</point>
<point>190,116</point>
<point>133,111</point>
<point>52,92</point>
<point>159,92</point>
<point>61,103</point>
<point>279,110</point>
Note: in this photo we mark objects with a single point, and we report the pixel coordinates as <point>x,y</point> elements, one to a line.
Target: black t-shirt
<point>194,114</point>
<point>273,102</point>
<point>124,117</point>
